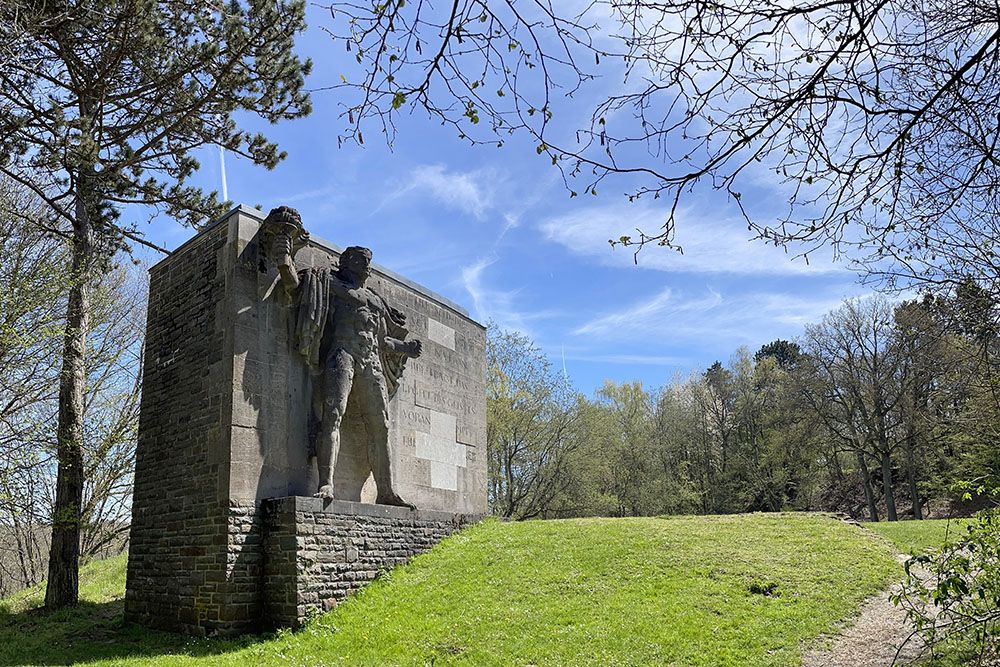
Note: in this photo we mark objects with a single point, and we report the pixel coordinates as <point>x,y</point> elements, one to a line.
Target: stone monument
<point>308,420</point>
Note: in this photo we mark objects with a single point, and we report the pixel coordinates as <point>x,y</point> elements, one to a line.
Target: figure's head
<point>356,262</point>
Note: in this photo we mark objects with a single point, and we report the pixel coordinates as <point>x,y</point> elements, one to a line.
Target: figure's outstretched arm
<point>410,348</point>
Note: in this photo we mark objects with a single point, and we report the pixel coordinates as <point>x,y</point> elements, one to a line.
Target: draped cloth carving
<point>314,311</point>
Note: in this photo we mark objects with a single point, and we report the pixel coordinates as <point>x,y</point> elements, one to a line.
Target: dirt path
<point>870,641</point>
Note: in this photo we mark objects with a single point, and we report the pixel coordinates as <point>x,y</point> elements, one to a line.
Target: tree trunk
<point>709,474</point>
<point>911,464</point>
<point>64,554</point>
<point>866,479</point>
<point>508,511</point>
<point>890,501</point>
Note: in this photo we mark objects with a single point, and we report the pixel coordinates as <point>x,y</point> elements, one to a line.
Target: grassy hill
<point>686,591</point>
<point>915,537</point>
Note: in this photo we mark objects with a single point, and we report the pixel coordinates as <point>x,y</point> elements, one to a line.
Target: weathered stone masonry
<point>317,553</point>
<point>221,432</point>
<point>177,572</point>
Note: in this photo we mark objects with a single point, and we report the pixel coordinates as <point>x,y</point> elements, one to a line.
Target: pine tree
<point>104,103</point>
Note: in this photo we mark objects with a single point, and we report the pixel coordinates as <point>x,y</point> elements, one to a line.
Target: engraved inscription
<point>445,401</point>
<point>467,435</point>
<point>416,417</point>
<point>449,378</point>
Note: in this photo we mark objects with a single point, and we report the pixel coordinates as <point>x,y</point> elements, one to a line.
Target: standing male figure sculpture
<point>351,339</point>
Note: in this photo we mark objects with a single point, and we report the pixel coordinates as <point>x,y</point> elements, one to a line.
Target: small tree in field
<point>531,417</point>
<point>103,103</point>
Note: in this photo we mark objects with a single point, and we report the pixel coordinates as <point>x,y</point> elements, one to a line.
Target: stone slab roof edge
<point>259,215</point>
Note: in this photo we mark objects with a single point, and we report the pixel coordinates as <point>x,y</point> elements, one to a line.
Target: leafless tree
<point>31,305</point>
<point>876,119</point>
<point>31,330</point>
<point>857,375</point>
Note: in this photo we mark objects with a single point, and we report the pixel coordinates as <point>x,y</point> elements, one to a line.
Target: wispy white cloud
<point>472,280</point>
<point>314,193</point>
<point>490,304</point>
<point>471,192</point>
<point>711,243</point>
<point>632,359</point>
<point>648,310</point>
<point>739,318</point>
<point>524,199</point>
<point>511,220</point>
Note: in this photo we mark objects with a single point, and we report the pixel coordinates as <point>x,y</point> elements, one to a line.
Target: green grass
<point>101,582</point>
<point>664,591</point>
<point>916,537</point>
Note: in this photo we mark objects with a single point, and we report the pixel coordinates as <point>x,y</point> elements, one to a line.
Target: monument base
<point>317,552</point>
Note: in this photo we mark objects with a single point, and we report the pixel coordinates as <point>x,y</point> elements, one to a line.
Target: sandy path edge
<point>870,640</point>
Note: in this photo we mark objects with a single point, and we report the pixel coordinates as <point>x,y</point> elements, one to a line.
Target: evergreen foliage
<point>103,104</point>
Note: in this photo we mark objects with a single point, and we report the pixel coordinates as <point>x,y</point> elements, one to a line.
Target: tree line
<point>877,412</point>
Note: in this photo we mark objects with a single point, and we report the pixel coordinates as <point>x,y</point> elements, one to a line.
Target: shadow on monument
<point>94,631</point>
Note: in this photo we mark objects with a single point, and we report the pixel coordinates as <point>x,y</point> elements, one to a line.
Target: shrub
<point>952,596</point>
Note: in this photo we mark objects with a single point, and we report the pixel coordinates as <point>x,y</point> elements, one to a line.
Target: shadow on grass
<point>91,632</point>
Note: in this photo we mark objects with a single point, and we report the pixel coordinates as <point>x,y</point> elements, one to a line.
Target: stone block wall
<point>437,417</point>
<point>317,553</point>
<point>176,568</point>
<point>222,429</point>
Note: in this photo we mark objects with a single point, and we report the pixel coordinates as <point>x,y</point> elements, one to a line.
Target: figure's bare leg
<point>380,449</point>
<point>337,380</point>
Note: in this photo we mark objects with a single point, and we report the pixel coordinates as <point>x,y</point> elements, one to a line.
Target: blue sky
<point>496,231</point>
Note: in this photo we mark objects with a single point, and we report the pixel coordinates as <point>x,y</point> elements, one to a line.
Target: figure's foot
<point>392,498</point>
<point>325,492</point>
